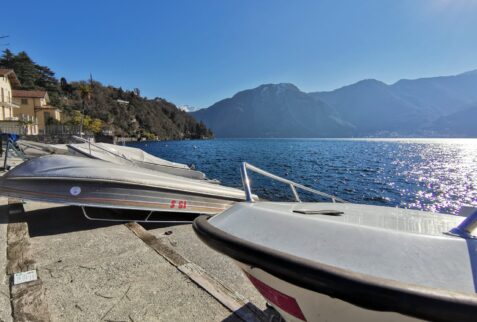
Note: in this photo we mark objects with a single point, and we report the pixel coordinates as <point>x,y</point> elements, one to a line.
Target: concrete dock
<point>103,271</point>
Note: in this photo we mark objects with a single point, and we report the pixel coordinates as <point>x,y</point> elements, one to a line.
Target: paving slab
<point>98,271</point>
<point>186,242</point>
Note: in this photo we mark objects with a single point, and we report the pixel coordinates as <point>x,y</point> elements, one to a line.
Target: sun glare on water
<point>447,168</point>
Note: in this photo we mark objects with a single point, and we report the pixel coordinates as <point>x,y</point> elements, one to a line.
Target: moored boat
<point>340,261</point>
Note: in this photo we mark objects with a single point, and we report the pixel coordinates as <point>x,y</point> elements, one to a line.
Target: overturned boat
<point>94,183</point>
<point>332,261</point>
<point>130,156</point>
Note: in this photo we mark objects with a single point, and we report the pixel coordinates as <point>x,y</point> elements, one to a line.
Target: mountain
<point>372,106</point>
<point>273,110</point>
<point>461,123</point>
<point>406,107</point>
<point>433,106</point>
<point>439,95</point>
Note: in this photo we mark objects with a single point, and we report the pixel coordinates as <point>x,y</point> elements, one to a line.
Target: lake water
<point>429,174</point>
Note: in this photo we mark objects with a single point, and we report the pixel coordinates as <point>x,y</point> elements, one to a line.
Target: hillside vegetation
<point>124,112</point>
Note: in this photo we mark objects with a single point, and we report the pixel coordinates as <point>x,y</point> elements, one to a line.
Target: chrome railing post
<point>246,182</point>
<point>466,227</point>
<point>297,198</point>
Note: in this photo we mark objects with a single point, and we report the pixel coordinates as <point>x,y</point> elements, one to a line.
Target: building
<point>9,123</point>
<point>34,104</point>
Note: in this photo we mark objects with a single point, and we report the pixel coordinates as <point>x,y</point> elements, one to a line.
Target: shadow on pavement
<point>269,315</point>
<point>60,220</point>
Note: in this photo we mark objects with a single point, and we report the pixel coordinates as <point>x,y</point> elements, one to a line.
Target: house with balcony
<point>9,123</point>
<point>34,106</point>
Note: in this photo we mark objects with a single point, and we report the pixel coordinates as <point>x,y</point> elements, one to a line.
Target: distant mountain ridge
<point>273,110</point>
<point>431,106</point>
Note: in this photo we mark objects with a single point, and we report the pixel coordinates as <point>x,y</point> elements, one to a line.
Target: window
<point>24,101</point>
<point>46,116</point>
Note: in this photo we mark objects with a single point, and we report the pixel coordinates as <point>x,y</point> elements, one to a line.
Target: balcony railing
<point>29,119</point>
<point>9,105</point>
<point>12,118</point>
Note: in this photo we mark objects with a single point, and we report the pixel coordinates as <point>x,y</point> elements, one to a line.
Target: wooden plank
<point>157,245</point>
<point>230,299</point>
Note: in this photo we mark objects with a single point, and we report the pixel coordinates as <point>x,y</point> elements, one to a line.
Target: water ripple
<point>431,174</point>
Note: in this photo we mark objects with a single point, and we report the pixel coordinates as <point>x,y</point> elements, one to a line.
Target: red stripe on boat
<point>283,301</point>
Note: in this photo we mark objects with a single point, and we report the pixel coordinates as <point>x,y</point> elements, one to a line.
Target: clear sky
<point>198,52</point>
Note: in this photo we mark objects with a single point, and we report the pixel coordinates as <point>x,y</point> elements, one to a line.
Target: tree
<point>30,74</point>
<point>153,117</point>
<point>95,126</point>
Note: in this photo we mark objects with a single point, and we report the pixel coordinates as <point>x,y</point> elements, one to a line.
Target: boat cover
<point>31,148</point>
<point>129,153</point>
<point>132,156</point>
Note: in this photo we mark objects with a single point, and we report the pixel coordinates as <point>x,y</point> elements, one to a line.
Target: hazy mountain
<point>421,107</point>
<point>460,124</point>
<point>372,106</point>
<point>273,110</point>
<point>439,95</point>
<point>406,107</point>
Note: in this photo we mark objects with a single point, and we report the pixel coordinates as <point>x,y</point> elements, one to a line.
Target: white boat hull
<point>343,262</point>
<point>296,304</point>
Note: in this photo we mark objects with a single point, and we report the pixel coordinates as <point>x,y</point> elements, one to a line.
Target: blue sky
<point>198,52</point>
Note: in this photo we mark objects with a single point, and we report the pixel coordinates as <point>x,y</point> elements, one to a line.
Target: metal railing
<point>467,228</point>
<point>13,127</point>
<point>80,139</point>
<point>291,184</point>
<point>10,148</point>
<point>62,129</point>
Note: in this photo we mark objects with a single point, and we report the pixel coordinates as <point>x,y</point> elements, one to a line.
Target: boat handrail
<point>291,184</point>
<point>468,226</point>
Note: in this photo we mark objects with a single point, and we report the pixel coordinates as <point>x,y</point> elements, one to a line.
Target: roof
<point>11,76</point>
<point>28,94</point>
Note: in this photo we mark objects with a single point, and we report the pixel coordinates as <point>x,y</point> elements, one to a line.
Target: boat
<point>338,261</point>
<point>130,156</point>
<point>34,149</point>
<point>87,182</point>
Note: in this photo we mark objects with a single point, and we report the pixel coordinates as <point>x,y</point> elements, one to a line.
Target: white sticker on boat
<point>75,191</point>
